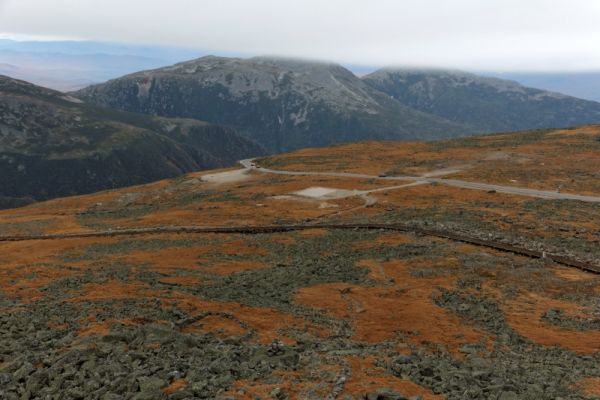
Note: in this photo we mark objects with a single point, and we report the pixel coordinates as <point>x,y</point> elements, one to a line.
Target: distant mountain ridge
<point>580,84</point>
<point>281,103</point>
<point>71,65</point>
<point>52,144</point>
<point>485,104</point>
<point>287,104</point>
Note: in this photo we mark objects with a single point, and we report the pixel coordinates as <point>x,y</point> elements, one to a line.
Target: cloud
<point>473,34</point>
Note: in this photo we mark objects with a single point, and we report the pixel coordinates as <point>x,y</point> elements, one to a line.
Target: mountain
<point>281,103</point>
<point>259,285</point>
<point>52,144</point>
<point>585,85</point>
<point>483,103</point>
<point>71,65</point>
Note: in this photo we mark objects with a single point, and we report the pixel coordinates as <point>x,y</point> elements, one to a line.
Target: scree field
<point>461,269</point>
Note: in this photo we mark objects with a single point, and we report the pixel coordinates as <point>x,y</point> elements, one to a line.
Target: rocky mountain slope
<point>282,104</point>
<point>483,103</point>
<point>54,145</point>
<point>320,313</point>
<point>581,84</point>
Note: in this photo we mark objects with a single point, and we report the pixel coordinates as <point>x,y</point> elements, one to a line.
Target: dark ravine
<point>53,145</point>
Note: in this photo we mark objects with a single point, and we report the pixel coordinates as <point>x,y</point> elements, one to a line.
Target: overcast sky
<point>468,34</point>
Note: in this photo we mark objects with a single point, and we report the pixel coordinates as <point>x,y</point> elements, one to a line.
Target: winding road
<point>250,164</point>
<point>444,234</point>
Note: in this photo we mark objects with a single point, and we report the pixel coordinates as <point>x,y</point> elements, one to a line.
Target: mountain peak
<point>282,103</point>
<point>453,78</point>
<point>17,86</point>
<point>485,103</point>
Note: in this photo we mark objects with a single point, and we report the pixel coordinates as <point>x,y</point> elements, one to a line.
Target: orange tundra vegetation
<point>402,307</point>
<point>346,305</point>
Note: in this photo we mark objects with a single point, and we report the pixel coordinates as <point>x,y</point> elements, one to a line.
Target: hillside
<point>581,84</point>
<point>485,104</point>
<point>376,270</point>
<point>282,104</point>
<point>52,145</point>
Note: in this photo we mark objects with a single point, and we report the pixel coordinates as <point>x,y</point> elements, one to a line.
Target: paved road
<point>250,164</point>
<point>543,194</point>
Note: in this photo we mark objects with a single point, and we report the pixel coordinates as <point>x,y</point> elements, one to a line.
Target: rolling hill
<point>52,144</point>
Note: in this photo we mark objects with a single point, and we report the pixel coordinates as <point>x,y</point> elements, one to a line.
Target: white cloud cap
<point>471,34</point>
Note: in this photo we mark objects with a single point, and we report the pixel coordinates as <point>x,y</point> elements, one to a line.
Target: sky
<point>494,35</point>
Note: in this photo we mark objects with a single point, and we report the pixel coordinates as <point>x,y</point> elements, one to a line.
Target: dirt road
<point>428,178</point>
